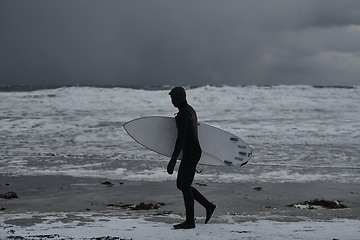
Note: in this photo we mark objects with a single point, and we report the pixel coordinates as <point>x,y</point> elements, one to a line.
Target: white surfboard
<point>218,146</point>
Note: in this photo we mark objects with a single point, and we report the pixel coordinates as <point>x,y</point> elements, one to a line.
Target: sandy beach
<point>55,206</point>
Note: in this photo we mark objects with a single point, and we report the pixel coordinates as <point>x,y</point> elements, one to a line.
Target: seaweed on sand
<point>318,202</point>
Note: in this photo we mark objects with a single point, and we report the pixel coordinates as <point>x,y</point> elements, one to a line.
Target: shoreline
<point>84,200</point>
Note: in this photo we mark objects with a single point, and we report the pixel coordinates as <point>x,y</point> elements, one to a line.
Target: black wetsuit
<point>187,142</point>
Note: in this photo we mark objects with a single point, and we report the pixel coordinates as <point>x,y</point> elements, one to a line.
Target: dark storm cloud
<point>179,42</point>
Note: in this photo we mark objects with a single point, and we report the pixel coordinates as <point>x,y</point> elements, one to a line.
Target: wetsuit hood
<point>178,96</point>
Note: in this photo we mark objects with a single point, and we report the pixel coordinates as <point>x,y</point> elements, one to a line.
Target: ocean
<point>297,133</point>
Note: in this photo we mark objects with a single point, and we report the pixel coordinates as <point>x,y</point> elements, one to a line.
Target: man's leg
<point>184,181</point>
<point>210,207</point>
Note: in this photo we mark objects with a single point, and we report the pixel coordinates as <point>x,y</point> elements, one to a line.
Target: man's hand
<point>171,166</point>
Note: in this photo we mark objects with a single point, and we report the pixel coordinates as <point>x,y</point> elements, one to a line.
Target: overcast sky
<point>180,42</point>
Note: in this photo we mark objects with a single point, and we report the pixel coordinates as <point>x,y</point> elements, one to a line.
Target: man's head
<point>178,95</point>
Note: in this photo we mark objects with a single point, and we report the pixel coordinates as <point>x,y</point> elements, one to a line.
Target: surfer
<point>187,142</point>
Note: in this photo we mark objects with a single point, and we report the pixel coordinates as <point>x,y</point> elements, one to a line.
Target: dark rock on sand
<point>108,184</point>
<point>9,195</point>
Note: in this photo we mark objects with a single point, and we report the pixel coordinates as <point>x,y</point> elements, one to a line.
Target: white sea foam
<point>296,132</point>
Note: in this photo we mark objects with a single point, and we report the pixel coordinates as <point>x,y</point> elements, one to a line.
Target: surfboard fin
<point>230,163</point>
<point>234,139</point>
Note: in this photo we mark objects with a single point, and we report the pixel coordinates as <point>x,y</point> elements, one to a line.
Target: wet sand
<point>265,200</point>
